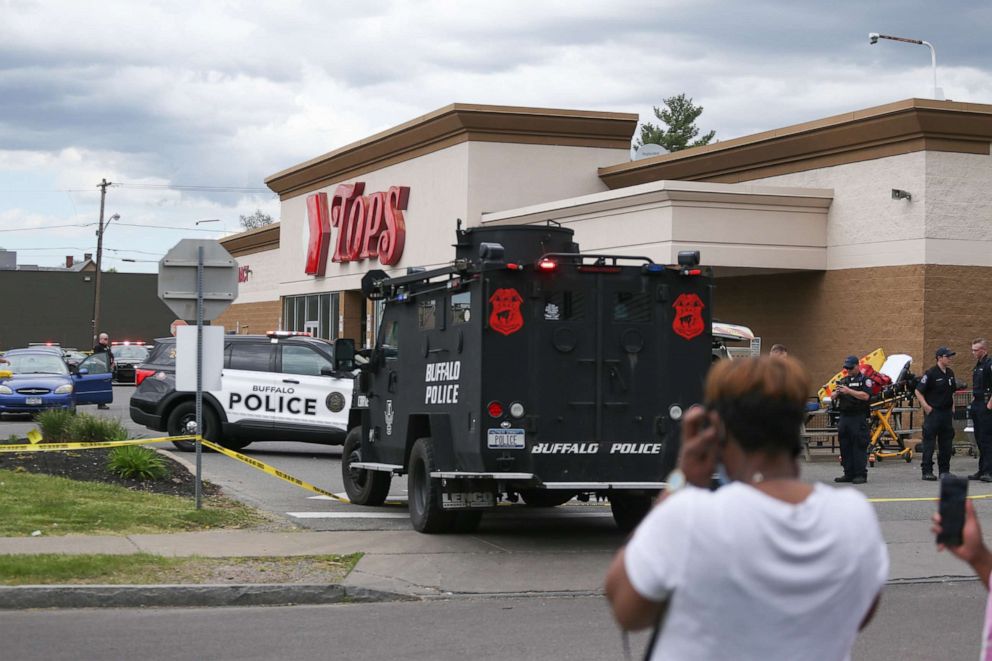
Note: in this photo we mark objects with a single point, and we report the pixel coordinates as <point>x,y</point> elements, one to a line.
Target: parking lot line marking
<point>390,499</point>
<point>349,515</point>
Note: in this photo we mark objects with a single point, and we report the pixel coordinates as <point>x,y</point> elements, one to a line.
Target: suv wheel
<point>424,492</point>
<point>364,487</point>
<point>185,413</point>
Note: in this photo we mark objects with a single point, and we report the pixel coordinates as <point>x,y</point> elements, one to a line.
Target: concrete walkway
<point>405,564</point>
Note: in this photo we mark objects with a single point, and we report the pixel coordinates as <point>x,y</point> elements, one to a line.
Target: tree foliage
<point>255,220</point>
<point>678,117</point>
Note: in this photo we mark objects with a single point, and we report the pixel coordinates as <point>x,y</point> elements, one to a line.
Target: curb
<point>164,596</point>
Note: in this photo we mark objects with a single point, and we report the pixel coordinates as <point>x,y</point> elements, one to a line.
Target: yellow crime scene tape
<point>272,470</point>
<point>37,446</point>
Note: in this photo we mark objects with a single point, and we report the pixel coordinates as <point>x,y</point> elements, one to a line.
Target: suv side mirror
<point>344,354</point>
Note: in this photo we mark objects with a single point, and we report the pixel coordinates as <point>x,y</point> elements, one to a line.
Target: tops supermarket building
<point>809,246</point>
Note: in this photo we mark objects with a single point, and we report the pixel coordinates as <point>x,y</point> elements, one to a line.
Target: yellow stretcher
<point>876,359</point>
<point>886,442</point>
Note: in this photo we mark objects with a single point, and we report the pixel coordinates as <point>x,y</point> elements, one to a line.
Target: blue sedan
<point>40,380</point>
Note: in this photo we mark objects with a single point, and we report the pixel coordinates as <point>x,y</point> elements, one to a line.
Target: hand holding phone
<point>699,453</point>
<point>953,493</point>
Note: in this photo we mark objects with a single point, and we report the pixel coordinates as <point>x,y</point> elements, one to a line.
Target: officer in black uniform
<point>853,393</point>
<point>981,416</point>
<point>935,392</point>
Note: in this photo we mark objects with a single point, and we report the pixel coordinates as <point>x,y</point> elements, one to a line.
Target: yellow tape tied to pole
<point>54,447</point>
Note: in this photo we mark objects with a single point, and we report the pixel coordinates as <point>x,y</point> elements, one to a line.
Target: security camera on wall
<point>872,37</point>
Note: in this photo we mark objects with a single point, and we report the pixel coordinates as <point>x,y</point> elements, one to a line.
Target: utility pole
<point>99,254</point>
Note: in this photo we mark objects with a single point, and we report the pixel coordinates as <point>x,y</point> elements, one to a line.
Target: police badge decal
<point>688,322</point>
<point>505,317</point>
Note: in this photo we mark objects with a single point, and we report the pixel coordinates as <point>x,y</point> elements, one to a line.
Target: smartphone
<point>953,492</point>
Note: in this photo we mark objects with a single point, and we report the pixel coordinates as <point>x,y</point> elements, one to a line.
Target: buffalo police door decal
<point>688,320</point>
<point>505,317</point>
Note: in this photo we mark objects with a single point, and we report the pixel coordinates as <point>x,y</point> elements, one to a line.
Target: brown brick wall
<point>958,308</point>
<point>824,316</point>
<point>258,317</point>
<point>352,307</point>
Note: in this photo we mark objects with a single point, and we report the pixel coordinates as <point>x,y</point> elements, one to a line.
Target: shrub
<point>134,461</point>
<point>55,425</point>
<point>87,428</point>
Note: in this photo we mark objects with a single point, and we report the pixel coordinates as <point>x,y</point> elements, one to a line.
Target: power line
<point>151,187</point>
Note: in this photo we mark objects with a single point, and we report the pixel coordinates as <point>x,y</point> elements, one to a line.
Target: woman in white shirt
<point>765,567</point>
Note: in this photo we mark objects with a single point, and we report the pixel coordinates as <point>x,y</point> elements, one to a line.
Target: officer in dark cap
<point>981,415</point>
<point>935,392</point>
<point>853,393</point>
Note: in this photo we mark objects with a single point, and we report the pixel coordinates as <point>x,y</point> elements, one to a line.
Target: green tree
<point>679,125</point>
<point>255,220</point>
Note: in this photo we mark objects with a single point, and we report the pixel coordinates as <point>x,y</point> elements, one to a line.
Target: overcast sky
<point>154,95</point>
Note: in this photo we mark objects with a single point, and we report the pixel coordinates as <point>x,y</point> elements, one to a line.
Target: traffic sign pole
<point>202,274</point>
<point>198,490</point>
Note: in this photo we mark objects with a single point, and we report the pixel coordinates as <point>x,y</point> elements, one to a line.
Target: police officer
<point>935,392</point>
<point>103,346</point>
<point>853,392</point>
<point>981,416</point>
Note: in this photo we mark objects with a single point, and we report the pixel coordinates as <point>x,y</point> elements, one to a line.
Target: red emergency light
<point>547,265</point>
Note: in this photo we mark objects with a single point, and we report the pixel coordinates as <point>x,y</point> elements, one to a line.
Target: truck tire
<point>364,487</point>
<point>184,413</point>
<point>628,509</point>
<point>546,497</point>
<point>424,492</point>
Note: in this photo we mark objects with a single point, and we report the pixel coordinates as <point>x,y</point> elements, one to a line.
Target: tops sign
<point>368,226</point>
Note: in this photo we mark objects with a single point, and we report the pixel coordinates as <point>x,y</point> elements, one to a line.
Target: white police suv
<point>281,386</point>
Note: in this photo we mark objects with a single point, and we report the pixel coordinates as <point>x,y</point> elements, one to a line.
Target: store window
<point>316,314</point>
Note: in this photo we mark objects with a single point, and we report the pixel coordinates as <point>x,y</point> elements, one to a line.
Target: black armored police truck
<point>526,369</point>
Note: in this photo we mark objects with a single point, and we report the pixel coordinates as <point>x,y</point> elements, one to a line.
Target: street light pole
<point>99,254</point>
<point>873,38</point>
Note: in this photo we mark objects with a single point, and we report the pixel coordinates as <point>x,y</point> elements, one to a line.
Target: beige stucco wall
<point>959,209</point>
<point>452,183</point>
<point>263,281</point>
<point>733,225</point>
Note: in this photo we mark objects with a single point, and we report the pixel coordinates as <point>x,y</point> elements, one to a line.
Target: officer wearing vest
<point>981,416</point>
<point>935,392</point>
<point>852,393</point>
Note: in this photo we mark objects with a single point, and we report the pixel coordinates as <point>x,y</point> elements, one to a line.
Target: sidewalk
<point>398,565</point>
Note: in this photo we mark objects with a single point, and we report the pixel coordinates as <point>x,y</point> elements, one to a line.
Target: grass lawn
<point>59,506</point>
<point>145,569</point>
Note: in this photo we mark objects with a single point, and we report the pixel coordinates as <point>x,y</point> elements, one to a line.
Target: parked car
<point>40,380</point>
<point>276,387</point>
<point>73,357</point>
<point>127,356</point>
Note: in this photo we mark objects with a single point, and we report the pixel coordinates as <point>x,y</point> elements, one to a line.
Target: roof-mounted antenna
<point>552,222</point>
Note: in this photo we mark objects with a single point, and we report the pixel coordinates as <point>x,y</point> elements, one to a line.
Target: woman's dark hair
<point>762,402</point>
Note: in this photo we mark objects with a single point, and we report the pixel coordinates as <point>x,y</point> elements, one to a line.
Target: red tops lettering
<point>368,226</point>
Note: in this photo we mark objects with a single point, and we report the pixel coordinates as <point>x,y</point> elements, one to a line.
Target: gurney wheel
<point>909,457</point>
<point>972,453</point>
<point>872,459</point>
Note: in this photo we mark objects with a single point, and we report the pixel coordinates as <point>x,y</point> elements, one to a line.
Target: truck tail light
<point>140,375</point>
<point>495,409</point>
<point>547,265</point>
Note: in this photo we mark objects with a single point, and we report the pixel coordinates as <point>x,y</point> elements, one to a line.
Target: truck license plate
<point>33,401</point>
<point>505,439</point>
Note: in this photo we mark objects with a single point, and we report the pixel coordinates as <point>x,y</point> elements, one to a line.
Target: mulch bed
<point>91,466</point>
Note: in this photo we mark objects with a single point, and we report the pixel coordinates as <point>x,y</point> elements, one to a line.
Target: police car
<point>277,387</point>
